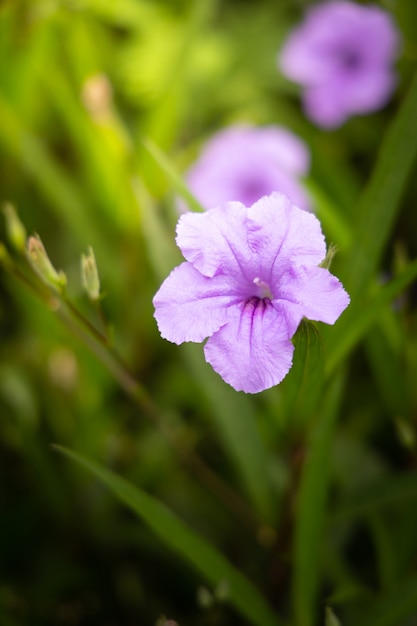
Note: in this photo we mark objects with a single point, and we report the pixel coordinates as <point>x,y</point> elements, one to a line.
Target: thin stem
<point>85,322</point>
<point>104,322</point>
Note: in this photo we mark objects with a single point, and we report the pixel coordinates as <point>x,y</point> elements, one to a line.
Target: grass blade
<point>358,318</point>
<point>398,606</point>
<point>176,535</point>
<point>388,491</point>
<point>172,175</point>
<point>380,201</point>
<point>301,389</point>
<point>311,509</point>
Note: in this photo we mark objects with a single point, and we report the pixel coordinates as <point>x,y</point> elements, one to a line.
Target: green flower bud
<point>40,262</point>
<point>89,275</point>
<point>16,232</point>
<point>327,261</point>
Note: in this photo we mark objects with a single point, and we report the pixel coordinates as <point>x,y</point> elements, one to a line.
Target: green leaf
<point>331,619</point>
<point>176,535</point>
<point>103,148</point>
<point>360,315</point>
<point>379,204</point>
<point>31,154</point>
<point>65,198</point>
<point>302,386</point>
<point>385,550</point>
<point>388,491</point>
<point>388,371</point>
<point>171,174</point>
<point>161,249</point>
<point>395,607</point>
<point>311,504</point>
<point>334,223</point>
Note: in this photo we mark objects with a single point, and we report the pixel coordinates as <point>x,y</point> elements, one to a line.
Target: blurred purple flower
<point>343,55</point>
<point>250,276</point>
<point>244,163</point>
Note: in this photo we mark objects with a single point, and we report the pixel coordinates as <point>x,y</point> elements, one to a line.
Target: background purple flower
<point>250,276</point>
<point>244,163</point>
<point>343,55</point>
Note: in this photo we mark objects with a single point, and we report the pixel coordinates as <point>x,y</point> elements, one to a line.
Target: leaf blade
<point>379,204</point>
<point>184,541</point>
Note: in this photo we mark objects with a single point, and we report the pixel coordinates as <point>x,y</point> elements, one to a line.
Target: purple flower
<point>244,163</point>
<point>250,276</point>
<point>342,55</point>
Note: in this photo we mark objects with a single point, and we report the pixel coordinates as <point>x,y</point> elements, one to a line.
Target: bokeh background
<point>103,105</point>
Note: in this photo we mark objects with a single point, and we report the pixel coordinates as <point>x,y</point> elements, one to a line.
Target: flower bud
<point>331,252</point>
<point>97,96</point>
<point>16,232</point>
<point>89,275</point>
<point>40,262</point>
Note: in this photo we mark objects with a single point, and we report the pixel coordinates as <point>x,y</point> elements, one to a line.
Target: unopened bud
<point>97,95</point>
<point>40,262</point>
<point>327,261</point>
<point>89,275</point>
<point>16,232</point>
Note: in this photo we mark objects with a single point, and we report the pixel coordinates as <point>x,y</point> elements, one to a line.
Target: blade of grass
<point>379,204</point>
<point>124,13</point>
<point>358,318</point>
<point>64,197</point>
<point>301,389</point>
<point>104,166</point>
<point>311,504</point>
<point>172,175</point>
<point>388,491</point>
<point>395,607</point>
<point>387,367</point>
<point>176,535</point>
<point>334,223</point>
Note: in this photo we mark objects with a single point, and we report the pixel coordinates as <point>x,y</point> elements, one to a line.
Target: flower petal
<point>283,235</point>
<point>251,352</point>
<point>313,293</point>
<point>215,240</point>
<point>190,306</point>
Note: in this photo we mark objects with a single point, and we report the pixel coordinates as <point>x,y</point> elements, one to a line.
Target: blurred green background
<point>308,489</point>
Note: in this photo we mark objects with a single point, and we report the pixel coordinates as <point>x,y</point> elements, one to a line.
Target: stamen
<point>265,290</point>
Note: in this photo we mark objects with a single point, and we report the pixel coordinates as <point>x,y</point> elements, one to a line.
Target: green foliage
<point>177,536</point>
<point>219,508</point>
